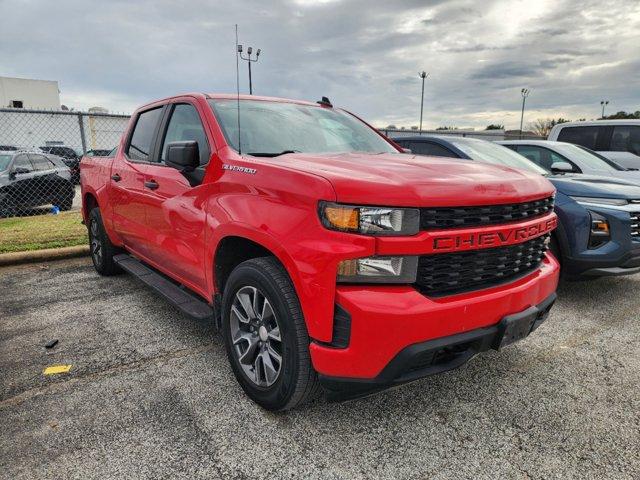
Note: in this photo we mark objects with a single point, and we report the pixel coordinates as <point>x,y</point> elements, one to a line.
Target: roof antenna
<point>325,102</point>
<point>238,50</point>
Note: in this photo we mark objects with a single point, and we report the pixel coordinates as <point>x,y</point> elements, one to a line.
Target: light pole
<point>249,61</point>
<point>423,75</point>
<point>525,93</point>
<point>603,103</point>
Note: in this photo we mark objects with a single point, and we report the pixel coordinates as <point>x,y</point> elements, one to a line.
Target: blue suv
<point>598,232</point>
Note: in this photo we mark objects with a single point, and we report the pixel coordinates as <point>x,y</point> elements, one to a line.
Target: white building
<point>28,93</point>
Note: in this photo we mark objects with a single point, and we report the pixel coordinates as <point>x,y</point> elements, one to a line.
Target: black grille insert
<point>450,273</point>
<point>460,217</point>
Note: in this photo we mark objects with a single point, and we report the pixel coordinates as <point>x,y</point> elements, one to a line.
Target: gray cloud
<point>364,54</point>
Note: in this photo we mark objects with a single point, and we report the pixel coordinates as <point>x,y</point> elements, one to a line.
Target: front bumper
<point>385,320</point>
<point>439,355</point>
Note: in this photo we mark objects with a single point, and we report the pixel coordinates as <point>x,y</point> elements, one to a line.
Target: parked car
<point>326,256</point>
<point>618,140</point>
<point>70,156</point>
<point>8,148</point>
<point>31,179</point>
<point>562,157</point>
<point>599,218</point>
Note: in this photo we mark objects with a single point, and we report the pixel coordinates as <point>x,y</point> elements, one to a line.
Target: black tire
<point>65,204</point>
<point>102,250</point>
<point>297,381</point>
<point>8,209</point>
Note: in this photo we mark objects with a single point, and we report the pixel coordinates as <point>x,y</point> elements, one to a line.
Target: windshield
<point>484,151</point>
<point>273,128</point>
<point>614,166</point>
<point>4,162</point>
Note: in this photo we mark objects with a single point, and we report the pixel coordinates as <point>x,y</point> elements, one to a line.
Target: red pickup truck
<point>327,256</point>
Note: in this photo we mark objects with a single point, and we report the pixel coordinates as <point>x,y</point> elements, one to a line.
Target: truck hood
<point>593,186</point>
<point>418,181</point>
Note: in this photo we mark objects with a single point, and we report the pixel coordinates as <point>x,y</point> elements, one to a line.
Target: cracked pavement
<point>150,395</point>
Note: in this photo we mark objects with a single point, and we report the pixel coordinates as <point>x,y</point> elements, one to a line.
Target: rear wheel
<point>265,336</point>
<point>102,250</point>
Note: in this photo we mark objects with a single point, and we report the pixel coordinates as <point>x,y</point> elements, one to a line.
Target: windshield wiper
<point>264,154</point>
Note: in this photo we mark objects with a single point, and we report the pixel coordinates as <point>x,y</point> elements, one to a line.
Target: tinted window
<point>543,157</point>
<point>185,125</point>
<point>140,145</point>
<point>429,148</point>
<point>585,136</point>
<point>41,163</point>
<point>626,138</point>
<point>22,161</point>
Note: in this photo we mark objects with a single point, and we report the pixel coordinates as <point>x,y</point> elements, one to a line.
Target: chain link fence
<point>40,154</point>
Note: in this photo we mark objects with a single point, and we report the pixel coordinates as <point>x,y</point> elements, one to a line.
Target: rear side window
<point>185,125</point>
<point>585,136</point>
<point>429,148</point>
<point>626,138</point>
<point>140,144</point>
<point>41,163</point>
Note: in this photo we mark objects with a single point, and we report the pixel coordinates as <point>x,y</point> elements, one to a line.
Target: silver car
<point>558,157</point>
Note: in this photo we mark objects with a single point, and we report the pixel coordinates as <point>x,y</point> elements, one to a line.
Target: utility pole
<point>423,75</point>
<point>249,60</point>
<point>603,103</point>
<point>525,93</point>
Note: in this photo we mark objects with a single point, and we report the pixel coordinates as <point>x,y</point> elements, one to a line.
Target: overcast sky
<point>364,55</point>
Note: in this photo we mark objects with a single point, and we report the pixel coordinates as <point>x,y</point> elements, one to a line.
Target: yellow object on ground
<point>57,369</point>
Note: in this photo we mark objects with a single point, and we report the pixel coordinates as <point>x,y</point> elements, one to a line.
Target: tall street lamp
<point>249,60</point>
<point>525,93</point>
<point>603,103</point>
<point>423,75</point>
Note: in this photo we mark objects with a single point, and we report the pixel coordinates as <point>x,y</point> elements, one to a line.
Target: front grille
<point>458,217</point>
<point>450,273</point>
<point>635,226</point>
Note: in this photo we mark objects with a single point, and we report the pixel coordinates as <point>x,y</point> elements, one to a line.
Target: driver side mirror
<point>183,156</point>
<point>18,171</point>
<point>561,167</point>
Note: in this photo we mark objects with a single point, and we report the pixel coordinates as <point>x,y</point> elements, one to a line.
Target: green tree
<point>494,126</point>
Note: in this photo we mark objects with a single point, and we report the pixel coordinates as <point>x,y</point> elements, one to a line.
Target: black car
<point>69,156</point>
<point>31,179</point>
<point>98,152</point>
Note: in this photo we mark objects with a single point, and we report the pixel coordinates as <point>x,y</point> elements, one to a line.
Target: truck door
<point>127,193</point>
<point>175,217</point>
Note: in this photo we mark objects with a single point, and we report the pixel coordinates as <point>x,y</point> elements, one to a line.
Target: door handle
<point>115,177</point>
<point>151,185</point>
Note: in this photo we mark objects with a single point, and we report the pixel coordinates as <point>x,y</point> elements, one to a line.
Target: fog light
<point>600,231</point>
<point>378,270</point>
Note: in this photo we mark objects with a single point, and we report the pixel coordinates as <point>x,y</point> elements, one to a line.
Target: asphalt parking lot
<point>150,395</point>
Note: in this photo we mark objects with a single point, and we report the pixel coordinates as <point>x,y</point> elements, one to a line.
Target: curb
<point>15,258</point>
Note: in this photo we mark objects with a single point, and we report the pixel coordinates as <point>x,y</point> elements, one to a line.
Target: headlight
<point>378,270</point>
<point>370,220</point>
<point>600,231</point>
<point>601,201</point>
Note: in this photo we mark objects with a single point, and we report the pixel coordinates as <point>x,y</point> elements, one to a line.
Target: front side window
<point>185,125</point>
<point>488,152</point>
<point>271,128</point>
<point>626,138</point>
<point>543,157</point>
<point>23,162</point>
<point>432,149</point>
<point>585,157</point>
<point>140,144</point>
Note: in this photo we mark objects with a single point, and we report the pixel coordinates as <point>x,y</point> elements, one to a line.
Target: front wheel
<point>265,336</point>
<point>102,250</point>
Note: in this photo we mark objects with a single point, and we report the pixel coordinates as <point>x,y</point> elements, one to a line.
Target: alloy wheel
<point>96,243</point>
<point>255,334</point>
